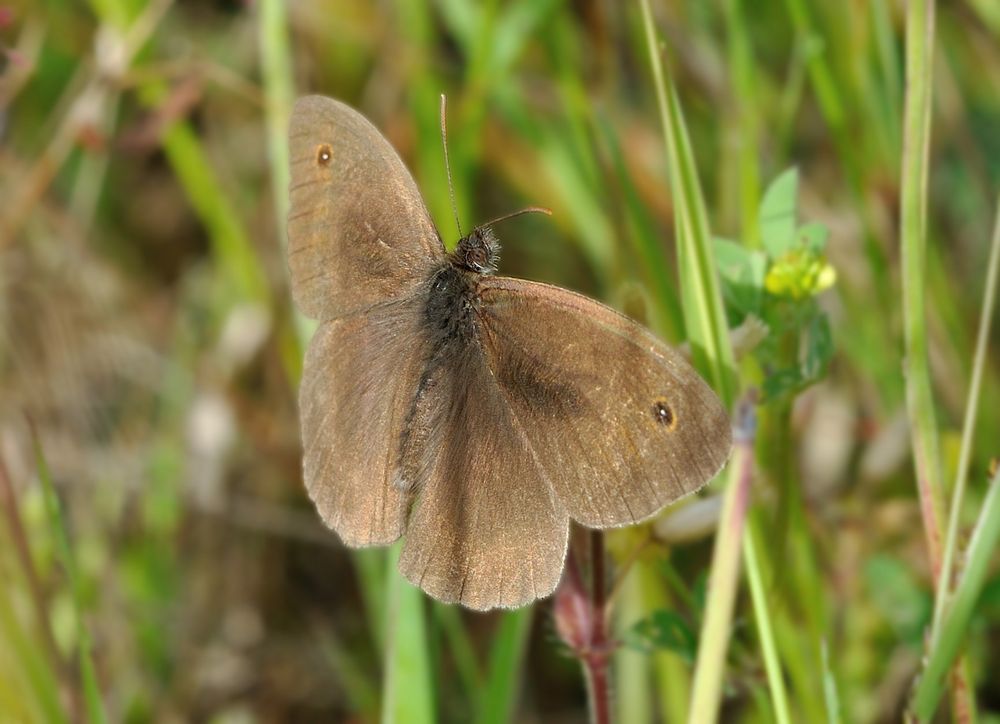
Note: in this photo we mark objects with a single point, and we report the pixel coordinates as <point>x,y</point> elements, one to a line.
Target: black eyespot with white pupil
<point>663,413</point>
<point>324,154</point>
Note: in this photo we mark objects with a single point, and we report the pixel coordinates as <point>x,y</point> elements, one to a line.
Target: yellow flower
<point>799,273</point>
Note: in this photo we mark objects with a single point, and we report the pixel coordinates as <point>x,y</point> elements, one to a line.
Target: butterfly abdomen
<point>448,327</point>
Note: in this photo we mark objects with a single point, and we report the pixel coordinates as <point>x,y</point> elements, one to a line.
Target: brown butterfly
<point>477,414</point>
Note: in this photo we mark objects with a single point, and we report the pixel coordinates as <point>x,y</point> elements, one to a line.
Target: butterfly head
<point>478,252</point>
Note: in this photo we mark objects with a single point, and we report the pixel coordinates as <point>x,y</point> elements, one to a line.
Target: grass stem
<point>968,430</point>
<point>944,653</point>
<point>88,673</point>
<point>714,639</point>
<point>913,211</point>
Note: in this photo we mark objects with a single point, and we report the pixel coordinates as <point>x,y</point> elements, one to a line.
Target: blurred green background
<point>146,330</point>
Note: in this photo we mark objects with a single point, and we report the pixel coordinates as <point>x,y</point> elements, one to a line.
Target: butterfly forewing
<point>358,231</point>
<point>618,421</point>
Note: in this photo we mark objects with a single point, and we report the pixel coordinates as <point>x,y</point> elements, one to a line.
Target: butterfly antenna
<point>528,210</point>
<point>447,165</point>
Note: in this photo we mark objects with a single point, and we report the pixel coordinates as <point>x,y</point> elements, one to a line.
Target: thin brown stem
<point>597,569</point>
<point>581,618</point>
<point>597,658</point>
<point>598,689</point>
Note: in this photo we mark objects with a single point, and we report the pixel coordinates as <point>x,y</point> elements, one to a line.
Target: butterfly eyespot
<point>663,413</point>
<point>324,154</point>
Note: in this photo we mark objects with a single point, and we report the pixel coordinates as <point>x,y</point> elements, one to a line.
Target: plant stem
<point>581,620</point>
<point>596,660</point>
<point>598,689</point>
<point>714,638</point>
<point>775,680</point>
<point>913,210</point>
<point>913,232</point>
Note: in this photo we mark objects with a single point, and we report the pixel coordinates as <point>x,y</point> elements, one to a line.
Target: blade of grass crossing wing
<point>704,313</point>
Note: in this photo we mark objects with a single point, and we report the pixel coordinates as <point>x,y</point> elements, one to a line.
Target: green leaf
<point>777,213</point>
<point>904,604</point>
<point>818,348</point>
<point>742,271</point>
<point>663,629</point>
<point>813,236</point>
<point>782,382</point>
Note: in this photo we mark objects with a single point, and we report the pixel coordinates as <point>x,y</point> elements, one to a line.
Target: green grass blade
<point>913,212</point>
<point>233,252</point>
<point>497,704</point>
<point>913,232</point>
<point>714,639</point>
<point>88,675</point>
<point>708,332</point>
<point>705,316</point>
<point>830,696</point>
<point>360,690</point>
<point>633,699</point>
<point>955,623</point>
<point>449,620</point>
<point>276,69</point>
<point>29,685</point>
<point>649,247</point>
<point>741,67</point>
<point>775,677</point>
<point>407,690</point>
<point>968,429</point>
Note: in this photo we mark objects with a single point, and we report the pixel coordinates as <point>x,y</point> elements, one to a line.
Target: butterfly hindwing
<point>486,529</point>
<point>358,382</point>
<point>619,422</point>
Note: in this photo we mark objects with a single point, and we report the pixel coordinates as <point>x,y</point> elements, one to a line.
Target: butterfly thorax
<point>449,308</point>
